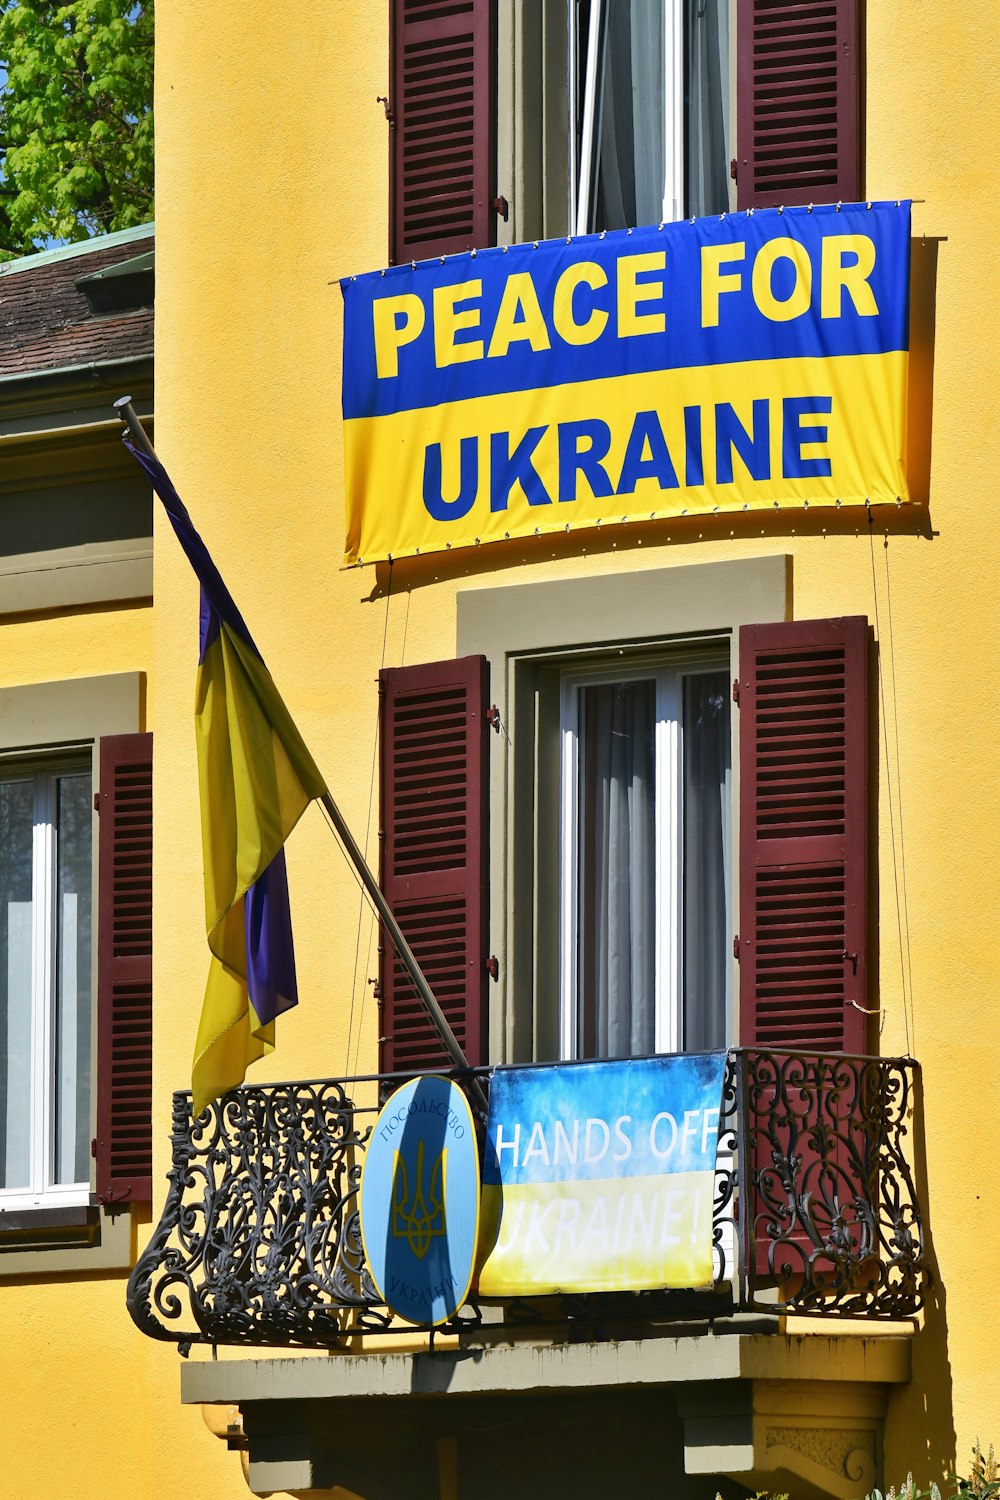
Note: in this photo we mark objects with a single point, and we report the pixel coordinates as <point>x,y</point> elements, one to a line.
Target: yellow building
<point>846,1336</point>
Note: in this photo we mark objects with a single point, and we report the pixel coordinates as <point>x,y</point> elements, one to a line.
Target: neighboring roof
<point>46,317</point>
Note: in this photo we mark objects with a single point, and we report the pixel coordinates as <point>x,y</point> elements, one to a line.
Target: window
<point>645,916</point>
<point>565,118</point>
<point>75,967</point>
<point>46,924</point>
<point>606,950</point>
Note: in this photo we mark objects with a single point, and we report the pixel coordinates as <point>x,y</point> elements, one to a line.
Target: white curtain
<point>617,885</point>
<point>629,121</point>
<point>629,155</point>
<point>707,73</point>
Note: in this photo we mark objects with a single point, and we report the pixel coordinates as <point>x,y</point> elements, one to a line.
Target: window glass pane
<point>629,129</point>
<point>707,153</point>
<point>17,815</point>
<point>707,859</point>
<point>72,980</point>
<point>616,893</point>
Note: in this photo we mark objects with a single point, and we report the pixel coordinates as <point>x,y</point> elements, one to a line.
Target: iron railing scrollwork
<point>833,1219</point>
<point>259,1243</point>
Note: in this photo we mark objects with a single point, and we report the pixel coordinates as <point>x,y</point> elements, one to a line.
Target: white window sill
<point>77,1196</point>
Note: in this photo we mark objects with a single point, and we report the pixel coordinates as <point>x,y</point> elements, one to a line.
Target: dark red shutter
<point>797,94</point>
<point>125,970</point>
<point>434,851</point>
<point>803,835</point>
<point>443,102</point>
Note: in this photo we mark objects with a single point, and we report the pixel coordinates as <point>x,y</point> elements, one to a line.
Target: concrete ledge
<point>92,574</point>
<point>527,1368</point>
<point>109,1246</point>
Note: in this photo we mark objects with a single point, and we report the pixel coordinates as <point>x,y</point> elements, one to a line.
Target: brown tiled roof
<point>46,323</point>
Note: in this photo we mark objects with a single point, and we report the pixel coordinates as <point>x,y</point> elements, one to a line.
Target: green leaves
<point>983,1483</point>
<point>76,121</point>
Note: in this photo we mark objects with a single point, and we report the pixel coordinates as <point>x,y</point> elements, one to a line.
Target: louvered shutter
<point>443,131</point>
<point>125,970</point>
<point>803,834</point>
<point>798,136</point>
<point>434,850</point>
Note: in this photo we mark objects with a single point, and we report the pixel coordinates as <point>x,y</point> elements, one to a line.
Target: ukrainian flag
<point>256,778</point>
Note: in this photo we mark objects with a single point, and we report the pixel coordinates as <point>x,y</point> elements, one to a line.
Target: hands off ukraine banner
<point>601,1176</point>
<point>736,363</point>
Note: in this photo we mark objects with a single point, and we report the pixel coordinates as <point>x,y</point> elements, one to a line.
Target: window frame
<point>44,772</point>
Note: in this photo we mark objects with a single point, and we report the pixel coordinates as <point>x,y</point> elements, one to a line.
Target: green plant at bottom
<point>983,1483</point>
<point>760,1495</point>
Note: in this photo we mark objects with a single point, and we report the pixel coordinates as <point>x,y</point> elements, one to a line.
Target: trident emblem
<point>420,1218</point>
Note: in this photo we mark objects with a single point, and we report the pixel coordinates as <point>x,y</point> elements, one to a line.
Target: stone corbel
<point>816,1440</point>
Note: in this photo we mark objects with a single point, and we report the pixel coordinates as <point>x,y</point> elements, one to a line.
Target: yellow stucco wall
<point>272,153</point>
<point>271,184</point>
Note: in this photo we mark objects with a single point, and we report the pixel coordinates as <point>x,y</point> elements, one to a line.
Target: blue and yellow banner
<point>600,1176</point>
<point>736,363</point>
<point>256,778</point>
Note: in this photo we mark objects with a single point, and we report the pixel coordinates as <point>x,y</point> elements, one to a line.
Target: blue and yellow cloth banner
<point>256,779</point>
<point>600,1176</point>
<point>736,363</point>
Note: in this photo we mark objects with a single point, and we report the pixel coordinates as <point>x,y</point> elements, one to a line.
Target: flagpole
<point>123,406</point>
<point>126,412</point>
<point>399,942</point>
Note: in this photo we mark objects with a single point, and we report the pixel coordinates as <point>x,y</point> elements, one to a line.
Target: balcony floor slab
<point>524,1367</point>
<point>799,1411</point>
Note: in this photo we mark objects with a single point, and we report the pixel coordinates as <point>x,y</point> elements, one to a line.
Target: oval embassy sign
<point>419,1200</point>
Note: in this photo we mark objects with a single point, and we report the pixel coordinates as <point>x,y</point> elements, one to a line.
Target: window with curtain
<point>651,90</point>
<point>646,859</point>
<point>46,880</point>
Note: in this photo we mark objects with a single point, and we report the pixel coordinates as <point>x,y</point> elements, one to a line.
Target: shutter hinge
<point>502,207</point>
<point>381,99</point>
<point>97,802</point>
<point>493,967</point>
<point>376,990</point>
<point>114,1197</point>
<point>732,169</point>
<point>736,690</point>
<point>736,946</point>
<point>93,1148</point>
<point>493,718</point>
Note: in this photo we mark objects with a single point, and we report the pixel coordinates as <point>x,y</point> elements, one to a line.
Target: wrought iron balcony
<point>815,1212</point>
